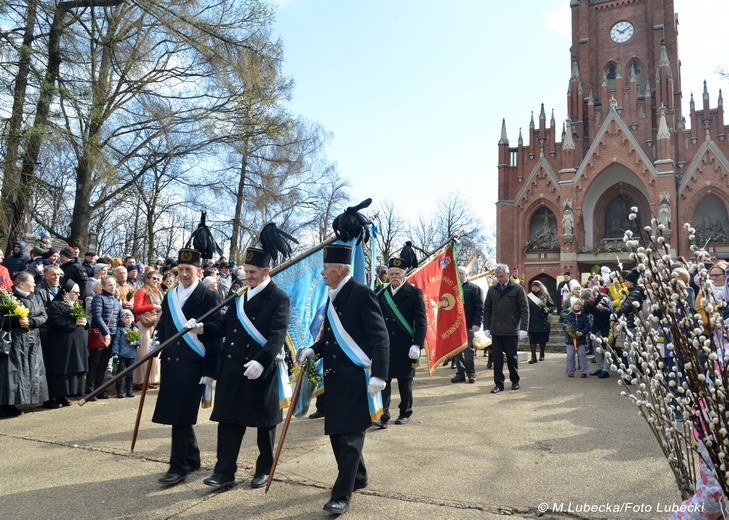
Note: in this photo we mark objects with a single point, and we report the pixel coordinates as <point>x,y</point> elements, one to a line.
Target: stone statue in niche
<point>664,210</point>
<point>568,218</point>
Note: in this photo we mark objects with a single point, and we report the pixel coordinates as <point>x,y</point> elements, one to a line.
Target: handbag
<point>148,319</point>
<point>5,341</point>
<point>96,336</point>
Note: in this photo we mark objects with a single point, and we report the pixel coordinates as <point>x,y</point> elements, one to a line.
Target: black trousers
<point>230,437</point>
<point>466,359</point>
<point>347,448</point>
<point>405,386</point>
<point>185,454</point>
<point>505,347</point>
<point>98,360</point>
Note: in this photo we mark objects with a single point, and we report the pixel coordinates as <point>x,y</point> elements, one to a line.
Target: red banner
<point>447,333</point>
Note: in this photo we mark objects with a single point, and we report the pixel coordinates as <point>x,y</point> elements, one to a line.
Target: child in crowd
<point>577,330</point>
<point>42,245</point>
<point>126,342</point>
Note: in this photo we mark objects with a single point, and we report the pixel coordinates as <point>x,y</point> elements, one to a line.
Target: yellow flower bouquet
<point>11,306</point>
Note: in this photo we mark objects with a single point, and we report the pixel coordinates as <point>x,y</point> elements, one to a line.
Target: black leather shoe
<point>360,485</point>
<point>11,410</point>
<point>532,361</point>
<point>515,386</point>
<point>219,481</point>
<point>316,415</point>
<point>336,507</point>
<point>402,420</point>
<point>471,380</point>
<point>63,401</point>
<point>596,372</point>
<point>379,424</point>
<point>259,481</point>
<point>170,478</point>
<point>51,404</point>
<point>489,366</point>
<point>103,396</point>
<point>496,390</point>
<point>458,379</point>
<point>603,374</point>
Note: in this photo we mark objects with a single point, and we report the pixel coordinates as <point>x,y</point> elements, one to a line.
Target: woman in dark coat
<point>540,307</point>
<point>22,372</point>
<point>68,359</point>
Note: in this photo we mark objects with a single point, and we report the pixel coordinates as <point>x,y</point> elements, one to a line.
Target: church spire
<point>504,139</point>
<point>706,91</point>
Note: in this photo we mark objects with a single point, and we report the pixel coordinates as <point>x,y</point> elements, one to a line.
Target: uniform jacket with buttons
<point>181,367</point>
<point>345,405</point>
<point>239,400</point>
<point>409,301</point>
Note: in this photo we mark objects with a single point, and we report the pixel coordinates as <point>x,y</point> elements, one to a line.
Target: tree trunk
<point>15,123</point>
<point>237,224</point>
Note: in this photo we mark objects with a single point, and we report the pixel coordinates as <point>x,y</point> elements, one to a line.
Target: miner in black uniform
<point>355,348</point>
<point>247,389</point>
<point>187,366</point>
<point>404,311</point>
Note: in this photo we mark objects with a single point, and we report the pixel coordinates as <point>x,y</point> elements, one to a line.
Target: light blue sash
<point>358,357</point>
<point>284,384</point>
<point>179,319</point>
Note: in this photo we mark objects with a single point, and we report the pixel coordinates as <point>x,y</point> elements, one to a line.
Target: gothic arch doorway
<point>549,282</point>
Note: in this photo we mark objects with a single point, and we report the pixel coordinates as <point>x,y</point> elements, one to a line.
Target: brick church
<point>625,143</point>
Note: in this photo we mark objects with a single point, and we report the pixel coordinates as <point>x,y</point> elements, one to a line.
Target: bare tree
<point>392,230</point>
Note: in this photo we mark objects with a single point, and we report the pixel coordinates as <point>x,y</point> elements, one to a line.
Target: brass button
<point>169,359</point>
<point>326,343</point>
<point>328,328</point>
<point>232,343</point>
<point>253,318</point>
<point>230,356</point>
<point>177,359</point>
<point>340,313</point>
<point>235,330</point>
<point>334,356</point>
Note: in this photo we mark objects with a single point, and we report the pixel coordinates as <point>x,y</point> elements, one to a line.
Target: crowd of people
<point>369,340</point>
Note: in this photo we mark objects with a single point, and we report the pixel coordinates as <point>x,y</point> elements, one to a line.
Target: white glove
<point>253,369</point>
<point>304,354</point>
<point>376,385</point>
<point>475,328</point>
<point>414,352</point>
<point>487,333</point>
<point>523,334</point>
<point>193,326</point>
<point>205,380</point>
<point>153,345</point>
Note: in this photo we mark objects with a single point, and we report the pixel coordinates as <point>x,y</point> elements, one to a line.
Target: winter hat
<point>208,280</point>
<point>574,284</point>
<point>99,266</point>
<point>51,251</point>
<point>68,252</point>
<point>45,234</point>
<point>633,276</point>
<point>586,293</point>
<point>132,268</point>
<point>574,300</point>
<point>605,270</point>
<point>125,312</point>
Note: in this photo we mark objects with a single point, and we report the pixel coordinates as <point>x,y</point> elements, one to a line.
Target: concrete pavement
<point>572,444</point>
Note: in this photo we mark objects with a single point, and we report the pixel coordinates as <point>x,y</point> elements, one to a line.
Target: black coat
<point>76,272</point>
<point>181,367</point>
<point>68,353</point>
<point>538,320</point>
<point>345,405</point>
<point>239,400</point>
<point>23,373</point>
<point>409,301</point>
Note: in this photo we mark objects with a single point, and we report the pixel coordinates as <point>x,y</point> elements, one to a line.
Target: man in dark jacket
<point>355,319</point>
<point>187,366</point>
<point>404,311</point>
<point>72,270</point>
<point>505,320</point>
<point>251,369</point>
<point>473,307</point>
<point>18,259</point>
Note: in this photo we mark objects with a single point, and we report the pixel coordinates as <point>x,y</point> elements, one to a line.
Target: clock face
<point>622,31</point>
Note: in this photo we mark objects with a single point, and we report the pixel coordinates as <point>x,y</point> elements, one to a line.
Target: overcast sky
<point>414,91</point>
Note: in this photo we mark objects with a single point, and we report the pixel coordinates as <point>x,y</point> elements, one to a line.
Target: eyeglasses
<point>155,278</point>
<point>716,275</point>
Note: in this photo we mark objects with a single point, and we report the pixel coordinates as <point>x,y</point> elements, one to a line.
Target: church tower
<point>625,143</point>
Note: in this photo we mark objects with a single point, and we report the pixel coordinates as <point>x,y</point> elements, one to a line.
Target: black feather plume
<point>408,254</point>
<point>202,240</point>
<point>276,241</point>
<point>352,224</point>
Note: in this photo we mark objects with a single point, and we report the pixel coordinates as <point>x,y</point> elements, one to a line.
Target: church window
<point>610,74</point>
<point>638,73</point>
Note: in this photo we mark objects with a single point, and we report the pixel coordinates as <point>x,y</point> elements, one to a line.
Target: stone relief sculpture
<point>664,210</point>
